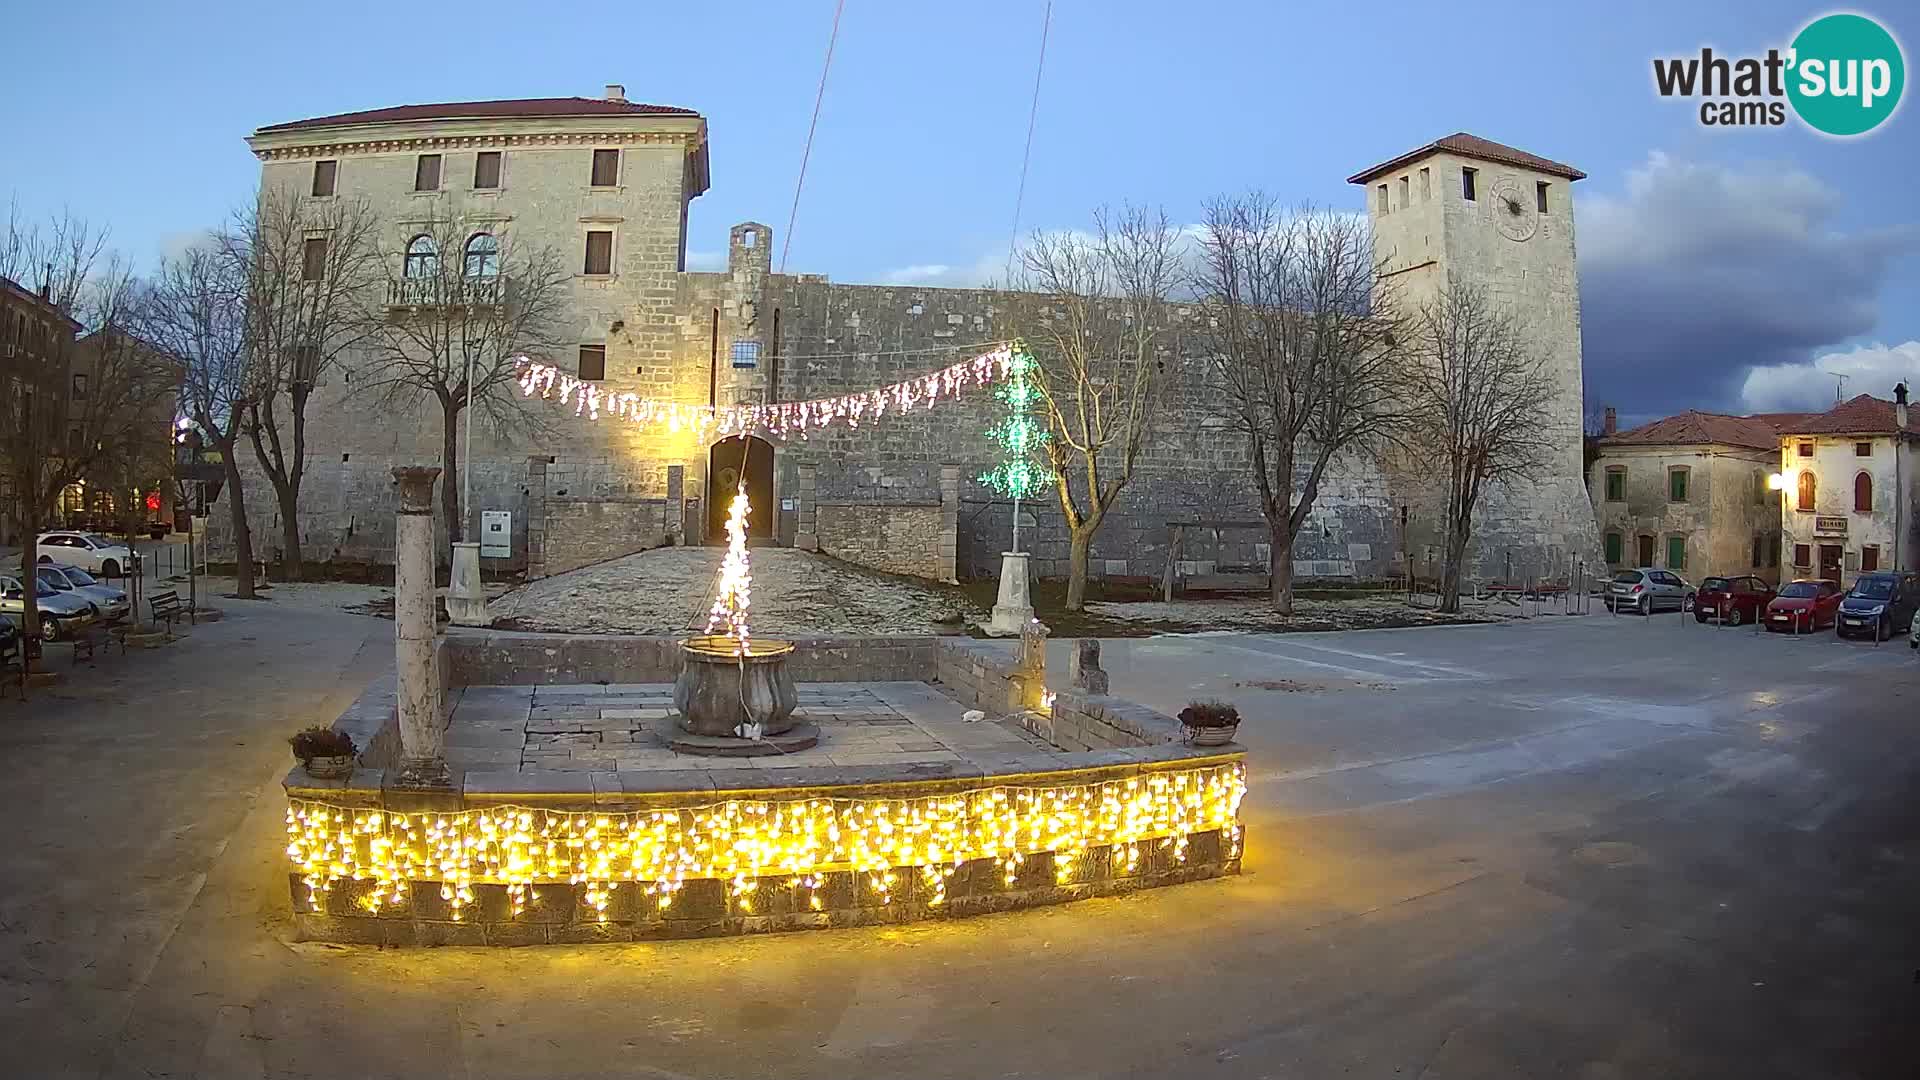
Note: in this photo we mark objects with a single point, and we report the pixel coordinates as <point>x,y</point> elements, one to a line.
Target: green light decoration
<point>1021,436</point>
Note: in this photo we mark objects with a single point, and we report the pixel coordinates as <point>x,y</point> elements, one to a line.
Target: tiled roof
<point>458,110</point>
<point>1476,147</point>
<point>1863,415</point>
<point>1698,427</point>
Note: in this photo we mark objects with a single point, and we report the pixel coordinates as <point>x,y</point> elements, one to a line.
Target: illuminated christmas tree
<point>1021,436</point>
<point>729,615</point>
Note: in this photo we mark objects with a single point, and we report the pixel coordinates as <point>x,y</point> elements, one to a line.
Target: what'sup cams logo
<point>1842,76</point>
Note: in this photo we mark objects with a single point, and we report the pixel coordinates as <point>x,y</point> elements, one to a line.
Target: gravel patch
<point>1256,613</point>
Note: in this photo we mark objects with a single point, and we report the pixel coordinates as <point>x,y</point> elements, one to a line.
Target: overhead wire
<point>819,95</point>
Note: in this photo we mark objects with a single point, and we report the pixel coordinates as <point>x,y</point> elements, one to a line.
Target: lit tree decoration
<point>729,614</point>
<point>1020,436</point>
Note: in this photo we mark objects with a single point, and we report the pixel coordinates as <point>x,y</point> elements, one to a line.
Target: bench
<point>88,640</point>
<point>13,658</point>
<point>167,607</point>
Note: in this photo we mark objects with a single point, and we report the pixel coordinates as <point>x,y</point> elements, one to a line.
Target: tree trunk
<point>1450,570</point>
<point>1080,540</point>
<point>242,535</point>
<point>1280,568</point>
<point>292,566</point>
<point>450,507</point>
<point>29,607</point>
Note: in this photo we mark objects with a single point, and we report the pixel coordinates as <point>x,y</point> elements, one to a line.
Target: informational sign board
<point>496,534</point>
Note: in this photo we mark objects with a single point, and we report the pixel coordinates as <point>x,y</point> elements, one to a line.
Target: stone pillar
<point>1015,607</point>
<point>806,534</point>
<point>950,524</point>
<point>422,762</point>
<point>676,523</point>
<point>536,517</point>
<point>1084,669</point>
<point>466,595</point>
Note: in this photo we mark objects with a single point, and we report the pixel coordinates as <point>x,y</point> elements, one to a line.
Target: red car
<point>1733,600</point>
<point>1805,606</point>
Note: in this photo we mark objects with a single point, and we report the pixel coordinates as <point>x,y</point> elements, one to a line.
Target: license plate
<point>1856,622</point>
<point>1780,618</point>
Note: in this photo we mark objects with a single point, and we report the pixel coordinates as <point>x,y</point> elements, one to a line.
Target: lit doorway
<point>727,461</point>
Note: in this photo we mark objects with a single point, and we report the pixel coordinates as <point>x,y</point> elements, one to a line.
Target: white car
<point>110,604</point>
<point>61,614</point>
<point>92,552</point>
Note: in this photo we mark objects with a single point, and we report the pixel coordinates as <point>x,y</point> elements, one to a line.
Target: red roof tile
<point>1699,427</point>
<point>459,110</point>
<point>1475,147</point>
<point>1863,415</point>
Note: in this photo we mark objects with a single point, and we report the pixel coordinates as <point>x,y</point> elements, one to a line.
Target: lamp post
<point>466,596</point>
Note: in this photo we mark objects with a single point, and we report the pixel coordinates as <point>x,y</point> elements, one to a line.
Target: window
<point>1426,184</point>
<point>79,384</point>
<point>483,256</point>
<point>1466,183</point>
<point>1646,550</point>
<point>1677,484</point>
<point>1802,555</point>
<point>1870,558</point>
<point>599,252</point>
<point>1773,550</point>
<point>606,168</point>
<point>1384,204</point>
<point>746,354</point>
<point>1862,492</point>
<point>1616,483</point>
<point>1676,553</point>
<point>486,169</point>
<point>323,177</point>
<point>593,362</point>
<point>1540,196</point>
<point>313,259</point>
<point>1615,542</point>
<point>1806,449</point>
<point>76,438</point>
<point>422,260</point>
<point>426,172</point>
<point>1406,193</point>
<point>1759,551</point>
<point>1809,487</point>
<point>1863,449</point>
<point>1760,489</point>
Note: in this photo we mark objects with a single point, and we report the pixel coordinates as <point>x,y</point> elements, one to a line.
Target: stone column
<point>676,524</point>
<point>806,534</point>
<point>1015,607</point>
<point>950,524</point>
<point>1084,670</point>
<point>536,517</point>
<point>422,762</point>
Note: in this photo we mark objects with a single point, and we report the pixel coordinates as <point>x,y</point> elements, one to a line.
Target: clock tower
<point>1470,209</point>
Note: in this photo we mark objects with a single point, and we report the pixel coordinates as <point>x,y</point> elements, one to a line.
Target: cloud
<point>706,261</point>
<point>1699,272</point>
<point>1797,387</point>
<point>982,271</point>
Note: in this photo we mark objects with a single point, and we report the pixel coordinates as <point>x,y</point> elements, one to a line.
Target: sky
<point>1729,270</point>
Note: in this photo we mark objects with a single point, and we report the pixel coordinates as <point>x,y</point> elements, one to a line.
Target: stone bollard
<point>1033,647</point>
<point>1084,670</point>
<point>1015,608</point>
<point>466,594</point>
<point>423,763</point>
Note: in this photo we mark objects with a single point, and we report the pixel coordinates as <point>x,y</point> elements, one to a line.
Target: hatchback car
<point>61,614</point>
<point>1881,603</point>
<point>89,551</point>
<point>1733,600</point>
<point>1648,590</point>
<point>1805,606</point>
<point>109,603</point>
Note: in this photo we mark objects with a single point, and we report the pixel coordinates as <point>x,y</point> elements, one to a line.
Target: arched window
<point>483,256</point>
<point>1807,489</point>
<point>1862,493</point>
<point>422,260</point>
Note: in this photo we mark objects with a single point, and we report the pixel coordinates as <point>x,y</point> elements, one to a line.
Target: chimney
<point>1900,407</point>
<point>616,92</point>
<point>1611,424</point>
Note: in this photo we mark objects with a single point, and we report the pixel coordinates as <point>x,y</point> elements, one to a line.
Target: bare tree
<point>1486,402</point>
<point>1095,310</point>
<point>466,300</point>
<point>1306,351</point>
<point>311,269</point>
<point>196,314</point>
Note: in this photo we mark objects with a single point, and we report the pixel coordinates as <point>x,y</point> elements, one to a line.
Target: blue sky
<point>1704,254</point>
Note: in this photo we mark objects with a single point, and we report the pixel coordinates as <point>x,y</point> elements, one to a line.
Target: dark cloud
<point>1700,272</point>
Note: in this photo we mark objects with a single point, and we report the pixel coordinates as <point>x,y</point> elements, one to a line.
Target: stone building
<point>609,182</point>
<point>1849,487</point>
<point>1689,493</point>
<point>36,356</point>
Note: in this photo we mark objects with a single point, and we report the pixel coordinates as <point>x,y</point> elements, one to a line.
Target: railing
<point>447,292</point>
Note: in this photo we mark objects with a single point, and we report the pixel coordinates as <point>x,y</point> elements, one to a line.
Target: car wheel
<point>1646,605</point>
<point>1699,616</point>
<point>110,568</point>
<point>1687,602</point>
<point>1732,617</point>
<point>46,560</point>
<point>50,629</point>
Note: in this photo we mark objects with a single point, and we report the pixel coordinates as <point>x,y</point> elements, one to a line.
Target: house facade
<point>36,367</point>
<point>1689,493</point>
<point>1849,483</point>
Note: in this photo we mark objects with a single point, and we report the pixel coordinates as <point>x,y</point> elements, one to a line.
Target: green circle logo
<point>1847,74</point>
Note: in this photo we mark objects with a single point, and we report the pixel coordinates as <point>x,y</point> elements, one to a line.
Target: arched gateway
<point>727,461</point>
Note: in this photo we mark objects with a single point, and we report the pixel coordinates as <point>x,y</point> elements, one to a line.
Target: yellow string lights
<point>782,419</point>
<point>745,842</point>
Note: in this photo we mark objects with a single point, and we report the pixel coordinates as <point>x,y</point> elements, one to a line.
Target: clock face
<point>1513,209</point>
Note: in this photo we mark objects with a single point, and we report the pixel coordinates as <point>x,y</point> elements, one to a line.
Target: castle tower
<point>1471,209</point>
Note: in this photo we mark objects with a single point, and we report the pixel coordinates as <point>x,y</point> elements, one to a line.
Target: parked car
<point>61,614</point>
<point>89,551</point>
<point>1734,600</point>
<point>1647,590</point>
<point>1805,606</point>
<point>1880,602</point>
<point>109,603</point>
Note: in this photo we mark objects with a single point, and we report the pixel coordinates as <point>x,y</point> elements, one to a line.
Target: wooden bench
<point>95,635</point>
<point>13,662</point>
<point>167,607</point>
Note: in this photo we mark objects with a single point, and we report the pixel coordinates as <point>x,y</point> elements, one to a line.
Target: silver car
<point>1647,590</point>
<point>61,614</point>
<point>110,604</point>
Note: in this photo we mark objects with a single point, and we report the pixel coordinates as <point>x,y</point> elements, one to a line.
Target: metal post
<point>466,464</point>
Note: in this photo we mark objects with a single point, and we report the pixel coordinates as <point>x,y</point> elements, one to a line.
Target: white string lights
<point>729,614</point>
<point>588,400</point>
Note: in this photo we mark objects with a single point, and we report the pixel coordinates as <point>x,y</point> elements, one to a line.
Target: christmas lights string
<point>780,420</point>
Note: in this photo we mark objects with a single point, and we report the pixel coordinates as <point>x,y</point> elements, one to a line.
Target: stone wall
<point>901,538</point>
<point>581,532</point>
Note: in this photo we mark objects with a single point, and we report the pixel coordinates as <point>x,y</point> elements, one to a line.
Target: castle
<point>608,182</point>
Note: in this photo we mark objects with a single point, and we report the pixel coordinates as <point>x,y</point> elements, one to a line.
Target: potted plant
<point>325,753</point>
<point>1210,723</point>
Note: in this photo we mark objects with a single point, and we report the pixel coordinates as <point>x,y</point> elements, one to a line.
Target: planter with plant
<point>1209,723</point>
<point>326,754</point>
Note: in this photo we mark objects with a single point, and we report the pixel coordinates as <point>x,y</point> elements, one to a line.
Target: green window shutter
<point>1677,485</point>
<point>1613,547</point>
<point>1676,553</point>
<point>1616,485</point>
